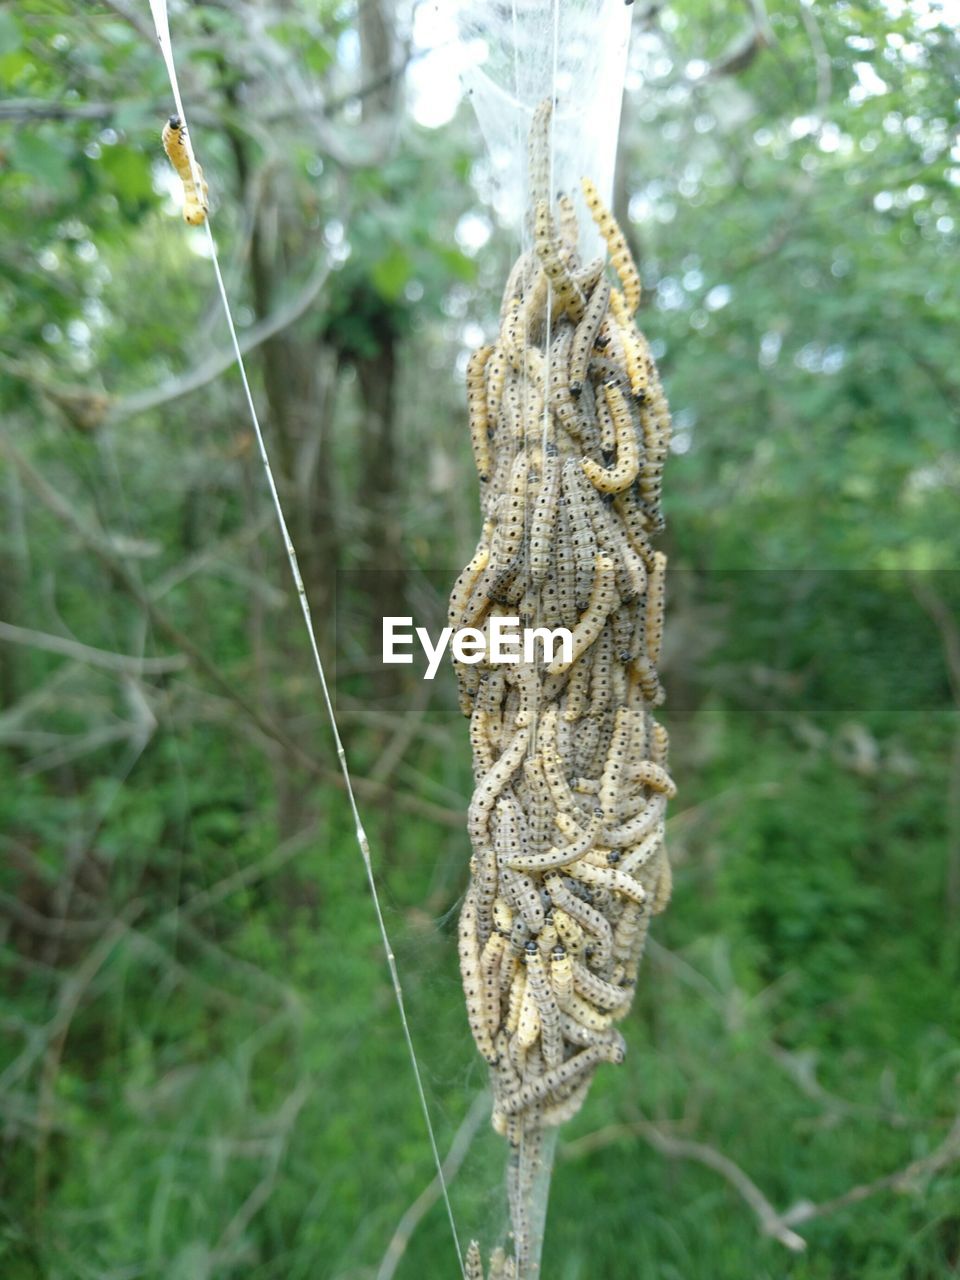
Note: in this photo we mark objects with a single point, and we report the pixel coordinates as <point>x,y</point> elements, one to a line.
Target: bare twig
<point>745,48</point>
<point>75,746</point>
<point>108,411</point>
<point>801,1067</point>
<point>282,997</point>
<point>211,368</point>
<point>350,711</point>
<point>822,60</point>
<point>762,21</point>
<point>247,875</point>
<point>72,991</point>
<point>403,735</point>
<point>48,926</point>
<point>91,657</point>
<point>152,952</point>
<point>97,543</point>
<point>211,555</point>
<point>777,1225</point>
<point>947,1153</point>
<point>23,109</point>
<point>943,618</point>
<point>132,18</point>
<point>284,1126</point>
<point>286,111</point>
<point>770,1221</point>
<point>431,1193</point>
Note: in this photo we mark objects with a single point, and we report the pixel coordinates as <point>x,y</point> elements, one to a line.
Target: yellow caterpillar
<point>180,155</point>
<point>620,254</point>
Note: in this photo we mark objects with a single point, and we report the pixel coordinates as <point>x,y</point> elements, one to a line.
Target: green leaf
<point>13,65</point>
<point>47,161</point>
<point>318,57</point>
<point>11,37</point>
<point>127,172</point>
<point>314,53</point>
<point>391,273</point>
<point>458,264</point>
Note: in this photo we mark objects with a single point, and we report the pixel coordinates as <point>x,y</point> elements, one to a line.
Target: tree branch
<point>132,18</point>
<point>821,58</point>
<point>24,109</point>
<point>98,544</point>
<point>72,991</point>
<point>87,409</point>
<point>943,619</point>
<point>78,652</point>
<point>770,1221</point>
<point>947,1153</point>
<point>211,368</point>
<point>431,1193</point>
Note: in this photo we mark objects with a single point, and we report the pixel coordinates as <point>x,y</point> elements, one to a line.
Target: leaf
<point>127,173</point>
<point>11,37</point>
<point>315,54</point>
<point>458,264</point>
<point>391,273</point>
<point>47,161</point>
<point>14,65</point>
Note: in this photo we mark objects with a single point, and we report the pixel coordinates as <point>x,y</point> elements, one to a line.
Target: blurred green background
<point>202,1070</point>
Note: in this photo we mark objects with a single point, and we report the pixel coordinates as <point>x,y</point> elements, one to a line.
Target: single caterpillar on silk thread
<point>180,154</point>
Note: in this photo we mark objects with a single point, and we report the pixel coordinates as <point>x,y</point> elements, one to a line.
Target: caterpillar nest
<point>570,430</point>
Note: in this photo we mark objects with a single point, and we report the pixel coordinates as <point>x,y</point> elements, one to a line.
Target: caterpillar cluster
<point>502,1267</point>
<point>570,430</point>
<point>179,153</point>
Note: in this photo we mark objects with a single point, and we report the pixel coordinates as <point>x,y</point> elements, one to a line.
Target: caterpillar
<point>570,431</point>
<point>621,476</point>
<point>620,254</point>
<point>180,154</point>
